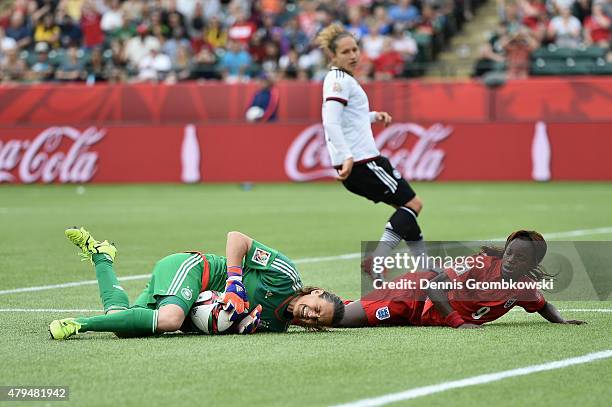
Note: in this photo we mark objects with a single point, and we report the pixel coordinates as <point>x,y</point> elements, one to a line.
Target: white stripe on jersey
<point>296,286</point>
<point>284,268</point>
<point>290,268</point>
<point>383,176</point>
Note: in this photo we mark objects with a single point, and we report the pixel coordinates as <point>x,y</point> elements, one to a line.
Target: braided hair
<point>539,248</point>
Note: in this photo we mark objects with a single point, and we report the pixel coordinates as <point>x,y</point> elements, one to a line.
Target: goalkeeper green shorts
<point>176,279</point>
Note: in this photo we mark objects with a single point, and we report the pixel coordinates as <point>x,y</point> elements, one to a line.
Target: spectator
<point>140,46</point>
<point>93,36</point>
<point>19,30</point>
<point>518,47</point>
<point>154,66</point>
<point>534,17</point>
<point>373,43</point>
<point>182,63</point>
<point>307,16</point>
<point>581,9</point>
<point>215,35</point>
<point>242,30</point>
<point>6,43</point>
<point>512,19</point>
<point>564,29</point>
<point>178,40</point>
<point>47,31</point>
<point>212,9</point>
<point>73,8</point>
<point>112,19</point>
<point>71,68</point>
<point>173,18</point>
<point>198,24</point>
<point>158,28</point>
<point>12,68</point>
<point>597,28</point>
<point>205,65</point>
<point>381,18</point>
<point>133,11</point>
<point>428,23</point>
<point>389,64</point>
<point>269,31</point>
<point>41,70</point>
<point>264,105</point>
<point>293,37</point>
<point>356,25</point>
<point>188,8</point>
<point>403,43</point>
<point>404,12</point>
<point>235,63</point>
<point>70,33</point>
<point>269,64</point>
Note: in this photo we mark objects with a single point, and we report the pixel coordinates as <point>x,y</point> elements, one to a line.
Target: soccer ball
<point>207,315</point>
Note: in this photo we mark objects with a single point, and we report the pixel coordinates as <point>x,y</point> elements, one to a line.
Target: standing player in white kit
<point>348,133</point>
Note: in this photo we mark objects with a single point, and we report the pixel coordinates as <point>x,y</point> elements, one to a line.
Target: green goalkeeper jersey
<point>270,279</point>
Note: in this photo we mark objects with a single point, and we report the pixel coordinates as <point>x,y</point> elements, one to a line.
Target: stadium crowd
<point>528,25</point>
<point>232,40</point>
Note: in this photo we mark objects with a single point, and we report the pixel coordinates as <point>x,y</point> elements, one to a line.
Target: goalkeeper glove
<point>235,298</point>
<point>250,323</point>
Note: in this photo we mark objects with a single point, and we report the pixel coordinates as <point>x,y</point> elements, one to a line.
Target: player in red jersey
<point>430,304</point>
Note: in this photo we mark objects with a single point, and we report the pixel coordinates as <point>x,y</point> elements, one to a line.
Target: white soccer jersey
<point>347,124</point>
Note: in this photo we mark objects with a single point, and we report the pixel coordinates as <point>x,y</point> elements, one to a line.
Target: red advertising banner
<point>523,101</point>
<point>228,153</point>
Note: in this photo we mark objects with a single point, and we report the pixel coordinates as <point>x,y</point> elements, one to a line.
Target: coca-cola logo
<point>307,158</point>
<point>40,160</point>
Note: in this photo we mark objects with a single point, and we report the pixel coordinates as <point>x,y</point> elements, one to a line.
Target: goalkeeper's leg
<point>134,322</point>
<point>102,255</point>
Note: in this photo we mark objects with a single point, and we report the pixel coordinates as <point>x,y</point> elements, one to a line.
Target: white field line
<point>604,310</point>
<point>346,256</point>
<point>476,380</point>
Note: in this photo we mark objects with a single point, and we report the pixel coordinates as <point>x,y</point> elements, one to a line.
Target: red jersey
<point>413,307</point>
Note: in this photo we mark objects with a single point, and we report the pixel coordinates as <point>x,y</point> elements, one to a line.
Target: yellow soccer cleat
<point>85,241</point>
<point>63,328</point>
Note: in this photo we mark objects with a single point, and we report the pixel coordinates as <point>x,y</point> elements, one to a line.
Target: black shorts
<point>378,181</point>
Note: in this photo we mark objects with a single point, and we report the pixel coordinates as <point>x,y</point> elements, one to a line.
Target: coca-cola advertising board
<point>279,152</point>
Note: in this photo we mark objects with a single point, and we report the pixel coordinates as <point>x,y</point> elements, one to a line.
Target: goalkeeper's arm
<point>237,246</point>
<point>235,299</point>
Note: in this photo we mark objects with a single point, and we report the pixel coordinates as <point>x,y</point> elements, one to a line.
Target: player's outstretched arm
<point>551,313</point>
<point>439,297</point>
<point>236,247</point>
<point>235,298</point>
<point>354,316</point>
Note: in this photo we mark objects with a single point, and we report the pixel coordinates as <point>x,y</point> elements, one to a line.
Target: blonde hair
<point>329,36</point>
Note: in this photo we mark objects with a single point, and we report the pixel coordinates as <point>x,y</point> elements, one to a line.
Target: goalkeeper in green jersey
<point>261,290</point>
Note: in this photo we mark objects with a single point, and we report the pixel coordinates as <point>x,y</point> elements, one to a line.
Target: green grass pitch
<point>299,368</point>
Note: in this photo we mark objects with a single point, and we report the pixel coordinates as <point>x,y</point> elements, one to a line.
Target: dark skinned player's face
<point>518,258</point>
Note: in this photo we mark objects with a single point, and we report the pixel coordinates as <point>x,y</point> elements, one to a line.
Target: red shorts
<point>396,306</point>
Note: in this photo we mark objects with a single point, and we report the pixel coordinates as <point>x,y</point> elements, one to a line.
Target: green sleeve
<point>280,272</point>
